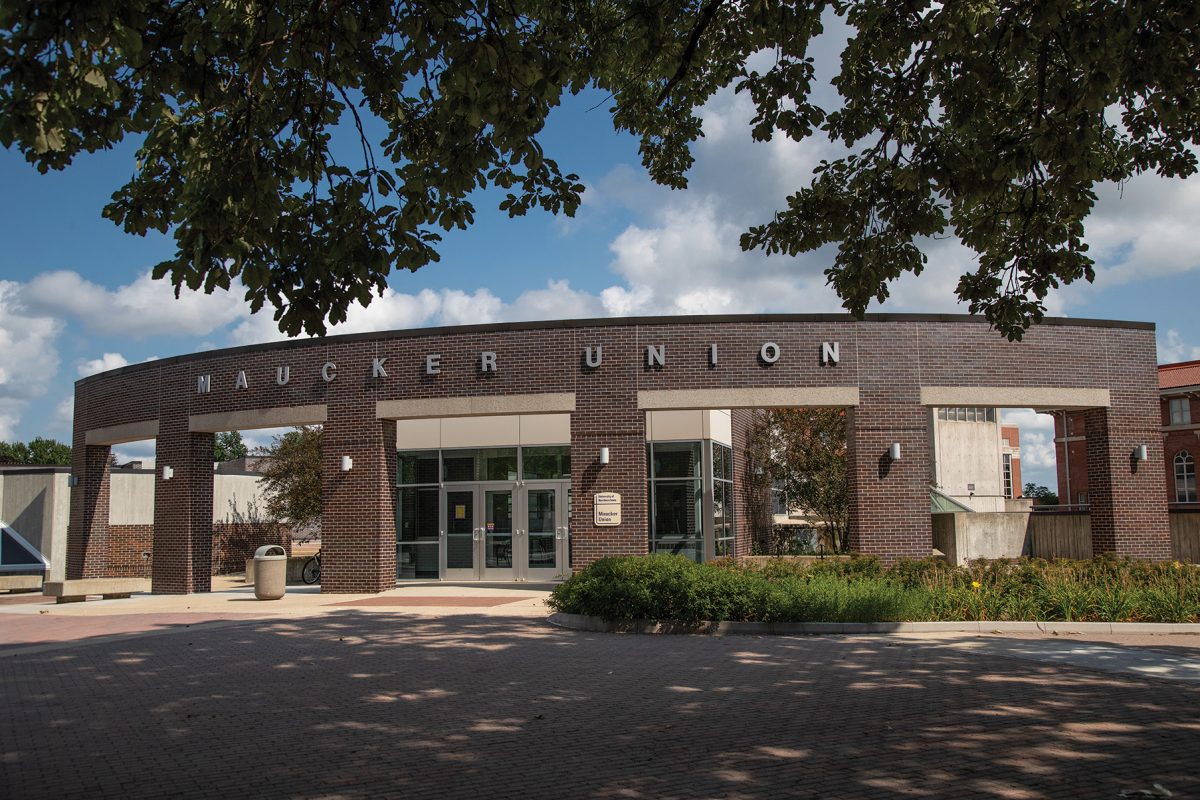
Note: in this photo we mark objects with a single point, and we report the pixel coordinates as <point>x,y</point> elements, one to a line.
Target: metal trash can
<point>270,572</point>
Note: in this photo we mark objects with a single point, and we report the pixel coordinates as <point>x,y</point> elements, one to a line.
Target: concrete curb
<point>581,622</point>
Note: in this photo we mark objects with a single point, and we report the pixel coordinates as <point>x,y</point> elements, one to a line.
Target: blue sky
<point>76,297</point>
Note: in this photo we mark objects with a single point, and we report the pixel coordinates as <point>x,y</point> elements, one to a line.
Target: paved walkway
<point>444,702</point>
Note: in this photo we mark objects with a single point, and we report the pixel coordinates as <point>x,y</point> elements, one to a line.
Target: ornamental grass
<point>673,588</point>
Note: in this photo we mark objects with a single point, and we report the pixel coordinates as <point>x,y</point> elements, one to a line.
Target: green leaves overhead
<point>990,121</point>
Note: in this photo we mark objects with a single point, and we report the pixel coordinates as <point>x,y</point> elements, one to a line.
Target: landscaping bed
<point>672,588</point>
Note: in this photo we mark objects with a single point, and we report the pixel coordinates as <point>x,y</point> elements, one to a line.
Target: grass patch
<point>672,588</point>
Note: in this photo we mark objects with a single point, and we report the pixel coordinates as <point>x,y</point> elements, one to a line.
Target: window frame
<point>1185,477</point>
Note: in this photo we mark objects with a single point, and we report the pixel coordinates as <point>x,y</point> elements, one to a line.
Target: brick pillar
<point>183,510</point>
<point>1127,500</point>
<point>358,519</point>
<point>606,415</point>
<point>87,536</point>
<point>889,500</point>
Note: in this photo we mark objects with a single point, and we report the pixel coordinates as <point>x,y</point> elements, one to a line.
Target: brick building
<point>564,420</point>
<point>1179,409</point>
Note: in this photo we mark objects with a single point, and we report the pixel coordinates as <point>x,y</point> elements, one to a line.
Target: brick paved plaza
<point>367,703</point>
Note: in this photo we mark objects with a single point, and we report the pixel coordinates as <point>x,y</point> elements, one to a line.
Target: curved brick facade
<point>889,369</point>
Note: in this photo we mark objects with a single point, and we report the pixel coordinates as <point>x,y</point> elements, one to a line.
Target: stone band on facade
<point>883,369</point>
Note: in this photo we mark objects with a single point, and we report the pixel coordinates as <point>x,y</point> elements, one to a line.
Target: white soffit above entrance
<point>281,417</point>
<point>1056,397</point>
<point>701,399</point>
<point>549,403</point>
<point>494,431</point>
<point>665,426</point>
<point>119,434</point>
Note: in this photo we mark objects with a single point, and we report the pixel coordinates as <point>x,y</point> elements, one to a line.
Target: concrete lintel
<point>799,397</point>
<point>280,417</point>
<point>1056,397</point>
<point>426,408</point>
<point>119,434</point>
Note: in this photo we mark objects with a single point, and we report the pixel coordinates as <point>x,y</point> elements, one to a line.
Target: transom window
<point>1181,411</point>
<point>967,414</point>
<point>1185,478</point>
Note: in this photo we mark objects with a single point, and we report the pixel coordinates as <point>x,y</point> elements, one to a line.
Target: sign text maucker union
<point>593,357</point>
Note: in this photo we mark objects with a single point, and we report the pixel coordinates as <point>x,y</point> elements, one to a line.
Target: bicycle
<point>312,569</point>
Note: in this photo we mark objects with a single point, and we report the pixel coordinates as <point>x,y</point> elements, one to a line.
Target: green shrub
<point>665,587</point>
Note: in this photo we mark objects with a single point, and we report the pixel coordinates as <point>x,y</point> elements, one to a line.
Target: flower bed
<point>664,587</point>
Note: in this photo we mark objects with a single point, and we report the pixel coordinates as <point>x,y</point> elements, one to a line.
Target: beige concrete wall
<point>667,426</point>
<point>131,497</point>
<point>38,506</point>
<point>969,453</point>
<point>240,490</point>
<point>487,431</point>
<point>965,537</point>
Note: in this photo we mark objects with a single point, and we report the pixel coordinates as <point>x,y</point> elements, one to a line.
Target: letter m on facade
<point>203,384</point>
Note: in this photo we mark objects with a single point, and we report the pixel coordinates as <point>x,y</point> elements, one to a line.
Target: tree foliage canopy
<point>804,454</point>
<point>991,121</point>
<point>39,451</point>
<point>291,474</point>
<point>228,445</point>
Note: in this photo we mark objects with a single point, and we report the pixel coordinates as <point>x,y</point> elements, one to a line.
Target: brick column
<point>358,519</point>
<point>1127,500</point>
<point>889,500</point>
<point>87,536</point>
<point>183,510</point>
<point>606,415</point>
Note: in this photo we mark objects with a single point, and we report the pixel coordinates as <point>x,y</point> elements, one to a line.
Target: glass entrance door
<point>462,535</point>
<point>542,540</point>
<point>497,534</point>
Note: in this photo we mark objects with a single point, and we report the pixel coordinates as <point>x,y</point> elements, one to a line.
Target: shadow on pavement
<point>354,704</point>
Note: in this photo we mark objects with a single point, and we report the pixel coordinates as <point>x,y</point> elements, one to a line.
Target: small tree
<point>803,453</point>
<point>756,486</point>
<point>292,478</point>
<point>229,445</point>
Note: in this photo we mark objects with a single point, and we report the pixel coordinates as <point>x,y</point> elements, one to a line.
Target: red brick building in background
<point>1179,392</point>
<point>1010,439</point>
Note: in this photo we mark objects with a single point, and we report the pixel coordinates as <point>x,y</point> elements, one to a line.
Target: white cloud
<point>145,307</point>
<point>28,356</point>
<point>1172,348</point>
<point>102,364</point>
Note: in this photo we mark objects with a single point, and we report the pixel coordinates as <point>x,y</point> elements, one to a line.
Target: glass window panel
<point>458,465</point>
<point>688,548</point>
<point>498,464</point>
<point>417,466</point>
<point>677,507</point>
<point>676,459</point>
<point>546,463</point>
<point>460,522</point>
<point>417,561</point>
<point>418,515</point>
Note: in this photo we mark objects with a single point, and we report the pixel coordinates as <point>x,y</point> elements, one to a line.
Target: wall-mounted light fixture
<point>603,455</point>
<point>72,481</point>
<point>894,451</point>
<point>168,473</point>
<point>1139,453</point>
<point>347,463</point>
